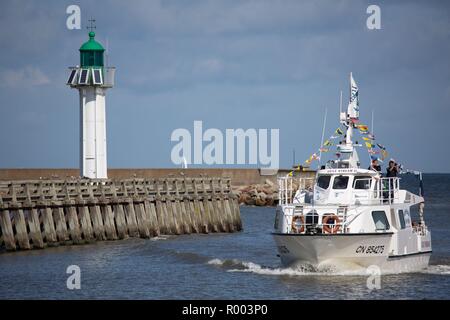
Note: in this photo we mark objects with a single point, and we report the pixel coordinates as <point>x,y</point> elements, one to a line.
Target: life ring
<point>295,227</point>
<point>333,228</point>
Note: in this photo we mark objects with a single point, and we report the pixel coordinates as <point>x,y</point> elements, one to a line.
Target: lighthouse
<point>92,78</point>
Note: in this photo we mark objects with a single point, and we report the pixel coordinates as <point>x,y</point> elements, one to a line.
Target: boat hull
<point>346,252</point>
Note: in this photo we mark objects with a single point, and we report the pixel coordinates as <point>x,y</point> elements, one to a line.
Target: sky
<point>231,64</point>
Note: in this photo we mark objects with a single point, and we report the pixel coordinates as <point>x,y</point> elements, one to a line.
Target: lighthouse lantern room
<point>92,78</point>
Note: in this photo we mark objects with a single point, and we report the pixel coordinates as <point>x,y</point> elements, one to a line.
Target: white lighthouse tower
<point>92,78</point>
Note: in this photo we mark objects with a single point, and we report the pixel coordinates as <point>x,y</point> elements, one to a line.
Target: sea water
<point>240,265</point>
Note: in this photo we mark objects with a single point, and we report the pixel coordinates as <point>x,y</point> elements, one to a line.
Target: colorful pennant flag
<point>363,128</point>
<point>339,131</point>
<point>369,145</point>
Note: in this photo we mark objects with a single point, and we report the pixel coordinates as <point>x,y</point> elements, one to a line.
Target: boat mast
<point>323,135</point>
<point>348,119</point>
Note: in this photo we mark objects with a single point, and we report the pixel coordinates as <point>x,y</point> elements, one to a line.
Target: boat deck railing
<point>385,190</point>
<point>288,186</point>
<point>312,222</point>
<point>363,191</point>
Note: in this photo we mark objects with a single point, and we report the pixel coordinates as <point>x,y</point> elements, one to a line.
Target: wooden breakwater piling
<point>37,214</point>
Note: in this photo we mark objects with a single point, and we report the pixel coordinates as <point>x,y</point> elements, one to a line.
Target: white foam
<point>216,262</point>
<point>234,265</point>
<point>244,266</point>
<point>158,238</point>
<point>439,269</point>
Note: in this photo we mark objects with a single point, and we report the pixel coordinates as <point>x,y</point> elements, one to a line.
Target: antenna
<point>323,134</point>
<point>92,26</point>
<point>371,126</point>
<point>340,104</point>
<point>107,52</point>
<point>293,157</point>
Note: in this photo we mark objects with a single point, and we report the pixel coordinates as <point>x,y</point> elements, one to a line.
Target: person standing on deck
<point>392,169</point>
<point>375,166</point>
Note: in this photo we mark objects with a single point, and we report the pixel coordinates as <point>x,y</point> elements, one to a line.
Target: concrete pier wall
<point>239,177</point>
<point>42,213</point>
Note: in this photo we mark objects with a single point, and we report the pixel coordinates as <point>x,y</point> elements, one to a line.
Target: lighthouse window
<point>72,76</point>
<point>323,182</point>
<point>380,220</point>
<point>84,76</point>
<point>340,182</point>
<point>97,75</point>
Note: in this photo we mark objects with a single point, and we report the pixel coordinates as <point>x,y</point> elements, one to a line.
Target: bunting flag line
<point>368,138</point>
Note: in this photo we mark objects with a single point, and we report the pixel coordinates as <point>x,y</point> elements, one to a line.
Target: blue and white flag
<point>354,91</point>
<point>353,106</point>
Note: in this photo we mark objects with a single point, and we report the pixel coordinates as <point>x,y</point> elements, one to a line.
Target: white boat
<point>348,218</point>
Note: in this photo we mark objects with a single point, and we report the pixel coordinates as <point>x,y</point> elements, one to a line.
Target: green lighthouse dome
<point>91,53</point>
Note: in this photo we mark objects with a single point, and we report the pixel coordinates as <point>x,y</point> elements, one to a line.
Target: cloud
<point>28,76</point>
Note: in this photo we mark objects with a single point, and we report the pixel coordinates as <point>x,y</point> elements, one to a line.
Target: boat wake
<point>439,269</point>
<point>234,265</point>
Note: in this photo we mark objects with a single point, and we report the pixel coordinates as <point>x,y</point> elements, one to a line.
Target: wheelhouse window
<point>380,220</point>
<point>401,217</point>
<point>323,182</point>
<point>362,182</point>
<point>340,182</point>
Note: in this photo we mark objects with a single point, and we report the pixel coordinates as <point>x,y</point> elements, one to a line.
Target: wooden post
<point>107,215</point>
<point>72,217</point>
<point>7,230</point>
<point>32,220</point>
<point>85,217</point>
<point>130,215</point>
<point>119,215</point>
<point>58,217</point>
<point>96,215</point>
<point>35,229</point>
<point>171,213</point>
<point>199,210</point>
<point>153,219</point>
<point>141,218</point>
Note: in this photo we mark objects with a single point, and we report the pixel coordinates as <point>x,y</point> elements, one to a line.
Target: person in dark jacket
<point>392,169</point>
<point>375,166</point>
